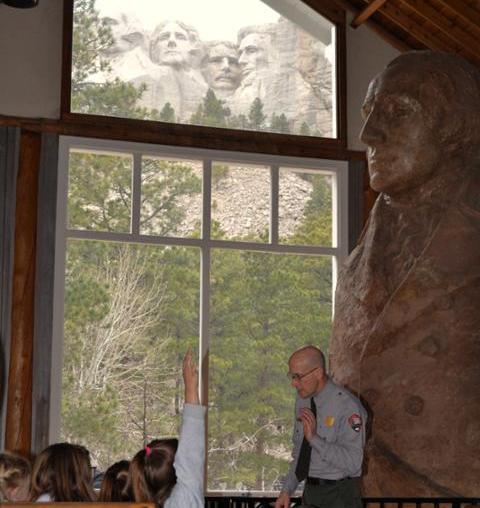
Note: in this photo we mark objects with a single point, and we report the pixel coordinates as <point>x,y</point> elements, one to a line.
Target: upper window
<point>252,65</point>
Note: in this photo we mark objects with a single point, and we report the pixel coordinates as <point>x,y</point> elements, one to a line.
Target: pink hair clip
<point>148,451</point>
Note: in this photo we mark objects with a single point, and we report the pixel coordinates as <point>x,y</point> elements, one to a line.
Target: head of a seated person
<point>15,472</point>
<point>114,484</point>
<point>63,471</point>
<point>151,474</point>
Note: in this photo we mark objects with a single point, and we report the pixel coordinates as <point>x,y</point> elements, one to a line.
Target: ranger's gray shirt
<point>337,448</point>
<point>190,460</point>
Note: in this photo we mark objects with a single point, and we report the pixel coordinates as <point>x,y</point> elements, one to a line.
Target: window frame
<point>338,251</point>
<point>208,137</point>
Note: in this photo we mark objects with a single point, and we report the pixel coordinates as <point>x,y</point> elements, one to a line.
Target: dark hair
<point>114,483</point>
<point>151,475</point>
<point>63,471</point>
<point>15,473</point>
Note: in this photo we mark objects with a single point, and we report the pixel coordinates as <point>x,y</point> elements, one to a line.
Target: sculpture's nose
<point>372,130</point>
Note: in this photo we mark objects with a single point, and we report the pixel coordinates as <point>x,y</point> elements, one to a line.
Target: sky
<point>214,19</point>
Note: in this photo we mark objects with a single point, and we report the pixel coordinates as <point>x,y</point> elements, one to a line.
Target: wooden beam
<point>327,8</point>
<point>394,41</point>
<point>456,34</point>
<point>370,9</point>
<point>407,24</point>
<point>19,399</point>
<point>463,11</point>
<point>146,131</point>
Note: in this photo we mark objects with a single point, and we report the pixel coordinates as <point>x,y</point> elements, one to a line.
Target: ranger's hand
<point>309,423</point>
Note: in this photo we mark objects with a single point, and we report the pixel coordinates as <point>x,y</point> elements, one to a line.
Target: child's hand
<point>190,378</point>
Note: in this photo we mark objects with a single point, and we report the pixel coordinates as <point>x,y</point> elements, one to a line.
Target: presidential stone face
<point>127,34</point>
<point>222,67</point>
<point>171,44</point>
<point>253,53</point>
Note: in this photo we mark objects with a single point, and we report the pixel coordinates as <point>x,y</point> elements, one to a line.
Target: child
<point>114,484</point>
<point>15,473</point>
<point>62,472</point>
<point>171,477</point>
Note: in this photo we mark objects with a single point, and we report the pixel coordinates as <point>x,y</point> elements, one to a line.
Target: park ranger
<point>328,437</point>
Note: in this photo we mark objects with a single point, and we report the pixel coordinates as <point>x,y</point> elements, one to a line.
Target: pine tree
<point>256,117</point>
<point>238,122</point>
<point>279,123</point>
<point>91,36</point>
<point>305,129</point>
<point>167,114</point>
<point>211,112</point>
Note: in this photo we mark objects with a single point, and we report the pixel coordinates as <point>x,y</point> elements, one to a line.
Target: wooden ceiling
<point>445,25</point>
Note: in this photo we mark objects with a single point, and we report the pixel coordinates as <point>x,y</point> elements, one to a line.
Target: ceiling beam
<point>463,11</point>
<point>370,9</point>
<point>452,31</point>
<point>407,24</point>
<point>378,29</point>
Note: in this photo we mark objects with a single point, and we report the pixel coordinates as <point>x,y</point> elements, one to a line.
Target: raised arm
<point>190,378</point>
<point>190,457</point>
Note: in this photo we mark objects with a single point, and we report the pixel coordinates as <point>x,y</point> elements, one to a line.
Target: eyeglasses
<point>299,377</point>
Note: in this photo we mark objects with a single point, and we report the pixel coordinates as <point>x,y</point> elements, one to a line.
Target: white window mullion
<point>274,189</point>
<point>136,193</point>
<point>205,278</point>
<point>59,291</point>
<point>207,199</point>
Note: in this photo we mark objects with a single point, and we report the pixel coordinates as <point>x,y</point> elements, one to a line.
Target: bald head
<point>311,356</point>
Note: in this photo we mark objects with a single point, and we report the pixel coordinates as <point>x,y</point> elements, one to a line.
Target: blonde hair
<point>63,471</point>
<point>15,472</point>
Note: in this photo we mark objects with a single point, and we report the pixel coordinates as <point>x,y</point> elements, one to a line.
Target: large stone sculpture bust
<point>406,332</point>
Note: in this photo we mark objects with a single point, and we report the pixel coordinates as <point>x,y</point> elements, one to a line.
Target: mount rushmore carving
<point>278,63</point>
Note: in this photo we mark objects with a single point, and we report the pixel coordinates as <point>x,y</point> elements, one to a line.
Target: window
<point>257,65</point>
<point>159,248</point>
